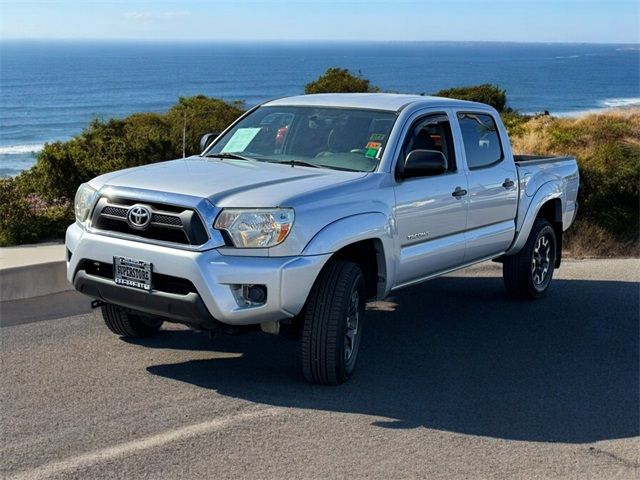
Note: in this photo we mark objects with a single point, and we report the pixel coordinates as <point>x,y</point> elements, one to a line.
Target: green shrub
<point>102,147</point>
<point>196,116</point>
<point>485,93</point>
<point>28,218</point>
<point>339,80</point>
<point>514,122</point>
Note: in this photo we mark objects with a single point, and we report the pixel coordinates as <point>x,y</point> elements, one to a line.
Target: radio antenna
<point>184,135</point>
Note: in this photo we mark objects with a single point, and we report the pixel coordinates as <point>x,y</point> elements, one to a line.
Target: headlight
<point>84,198</point>
<point>256,228</point>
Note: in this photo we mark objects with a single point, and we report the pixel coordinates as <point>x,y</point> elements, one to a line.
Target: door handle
<point>508,183</point>
<point>459,192</point>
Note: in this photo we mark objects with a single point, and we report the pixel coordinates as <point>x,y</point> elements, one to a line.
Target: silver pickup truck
<point>306,208</point>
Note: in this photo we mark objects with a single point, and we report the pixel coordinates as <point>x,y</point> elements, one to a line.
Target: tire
<point>332,324</point>
<point>527,274</point>
<point>128,324</point>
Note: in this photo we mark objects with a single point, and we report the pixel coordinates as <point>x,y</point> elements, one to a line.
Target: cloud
<point>151,17</point>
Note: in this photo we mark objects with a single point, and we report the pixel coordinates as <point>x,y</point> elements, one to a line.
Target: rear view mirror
<point>206,140</point>
<point>424,163</point>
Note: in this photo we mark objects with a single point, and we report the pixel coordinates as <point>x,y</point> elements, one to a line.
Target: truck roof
<point>376,101</point>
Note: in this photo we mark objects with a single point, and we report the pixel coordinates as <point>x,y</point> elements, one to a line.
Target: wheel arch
<point>547,204</point>
<point>552,212</point>
<point>364,239</point>
<point>369,255</point>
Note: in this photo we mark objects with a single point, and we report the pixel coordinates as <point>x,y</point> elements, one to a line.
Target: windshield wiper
<point>228,156</point>
<point>293,163</point>
<point>301,163</point>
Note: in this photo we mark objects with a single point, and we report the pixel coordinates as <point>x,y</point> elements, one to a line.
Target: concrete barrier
<point>31,271</point>
<point>33,280</point>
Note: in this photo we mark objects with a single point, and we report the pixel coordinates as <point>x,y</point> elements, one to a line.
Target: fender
<point>355,228</point>
<point>547,191</point>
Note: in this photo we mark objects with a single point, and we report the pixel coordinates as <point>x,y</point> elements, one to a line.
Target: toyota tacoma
<point>306,208</point>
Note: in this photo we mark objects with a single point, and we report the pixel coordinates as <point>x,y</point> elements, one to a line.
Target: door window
<point>481,140</point>
<point>432,133</point>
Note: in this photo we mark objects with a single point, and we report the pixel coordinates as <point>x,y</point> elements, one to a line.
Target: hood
<point>228,183</point>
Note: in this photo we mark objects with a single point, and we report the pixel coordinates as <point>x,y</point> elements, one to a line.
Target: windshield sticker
<point>240,140</point>
<point>377,137</point>
<point>372,149</point>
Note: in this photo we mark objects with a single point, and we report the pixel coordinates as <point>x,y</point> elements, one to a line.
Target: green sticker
<point>371,152</point>
<point>377,136</point>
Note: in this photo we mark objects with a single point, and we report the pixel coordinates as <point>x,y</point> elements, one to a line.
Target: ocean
<point>51,90</point>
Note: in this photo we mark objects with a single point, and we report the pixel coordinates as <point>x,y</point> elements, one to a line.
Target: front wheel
<point>126,323</point>
<point>528,273</point>
<point>332,324</point>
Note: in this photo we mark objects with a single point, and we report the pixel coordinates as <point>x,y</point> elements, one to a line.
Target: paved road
<point>455,381</point>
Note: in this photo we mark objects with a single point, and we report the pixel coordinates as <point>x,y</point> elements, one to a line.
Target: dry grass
<point>534,140</point>
<point>586,240</point>
<point>543,134</point>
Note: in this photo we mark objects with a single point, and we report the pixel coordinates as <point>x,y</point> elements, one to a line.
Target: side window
<point>481,139</point>
<point>432,133</point>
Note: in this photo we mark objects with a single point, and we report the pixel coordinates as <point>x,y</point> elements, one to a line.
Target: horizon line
<point>299,40</point>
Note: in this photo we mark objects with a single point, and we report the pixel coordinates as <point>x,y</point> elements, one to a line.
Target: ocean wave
<point>21,149</point>
<point>579,113</point>
<point>620,102</point>
<point>605,105</point>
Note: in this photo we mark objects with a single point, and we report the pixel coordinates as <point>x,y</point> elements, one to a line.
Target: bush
<point>339,80</point>
<point>486,93</point>
<point>202,115</point>
<point>30,218</point>
<point>514,122</point>
<point>102,147</point>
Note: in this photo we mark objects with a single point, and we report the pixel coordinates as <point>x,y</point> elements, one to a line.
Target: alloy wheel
<point>541,260</point>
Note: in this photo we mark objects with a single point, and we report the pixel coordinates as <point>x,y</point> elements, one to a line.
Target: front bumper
<point>216,278</point>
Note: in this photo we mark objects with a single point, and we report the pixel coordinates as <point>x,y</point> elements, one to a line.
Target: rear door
<point>492,186</point>
<point>431,212</point>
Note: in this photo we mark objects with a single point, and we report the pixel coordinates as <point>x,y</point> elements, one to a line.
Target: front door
<point>431,212</point>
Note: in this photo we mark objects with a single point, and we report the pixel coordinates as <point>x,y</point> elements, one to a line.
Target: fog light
<point>255,294</point>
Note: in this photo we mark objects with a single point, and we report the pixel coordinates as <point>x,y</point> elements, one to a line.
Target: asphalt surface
<point>454,381</point>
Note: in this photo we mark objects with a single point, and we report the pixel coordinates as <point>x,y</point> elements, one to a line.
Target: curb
<point>33,280</point>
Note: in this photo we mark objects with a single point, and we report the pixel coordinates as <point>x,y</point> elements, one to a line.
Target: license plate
<point>132,273</point>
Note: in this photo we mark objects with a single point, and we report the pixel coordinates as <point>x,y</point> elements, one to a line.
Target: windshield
<point>340,138</point>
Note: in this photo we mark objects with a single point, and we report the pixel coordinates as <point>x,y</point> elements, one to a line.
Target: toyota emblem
<point>138,217</point>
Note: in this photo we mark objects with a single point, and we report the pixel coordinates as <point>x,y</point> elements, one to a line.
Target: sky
<point>598,21</point>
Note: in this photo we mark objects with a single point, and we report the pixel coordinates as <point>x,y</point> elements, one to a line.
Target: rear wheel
<point>126,323</point>
<point>528,274</point>
<point>332,324</point>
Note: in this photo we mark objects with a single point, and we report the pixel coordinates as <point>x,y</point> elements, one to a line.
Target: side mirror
<point>424,163</point>
<point>206,140</point>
